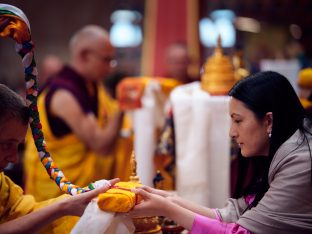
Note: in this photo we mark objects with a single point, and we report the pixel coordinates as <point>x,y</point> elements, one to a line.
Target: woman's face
<point>12,134</point>
<point>251,134</point>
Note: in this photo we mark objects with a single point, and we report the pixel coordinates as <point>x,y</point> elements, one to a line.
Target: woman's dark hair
<point>12,106</point>
<point>261,93</point>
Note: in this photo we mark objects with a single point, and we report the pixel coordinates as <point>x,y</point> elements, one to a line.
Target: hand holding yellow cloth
<point>119,198</point>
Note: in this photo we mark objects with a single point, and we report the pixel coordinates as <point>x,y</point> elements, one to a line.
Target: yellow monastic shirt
<point>14,204</point>
<point>79,164</point>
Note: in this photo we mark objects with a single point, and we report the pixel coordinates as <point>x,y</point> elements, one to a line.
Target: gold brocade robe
<point>14,204</point>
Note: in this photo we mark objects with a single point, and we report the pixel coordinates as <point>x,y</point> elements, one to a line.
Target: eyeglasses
<point>105,59</point>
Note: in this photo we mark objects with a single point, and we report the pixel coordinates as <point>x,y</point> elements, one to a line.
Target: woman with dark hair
<point>273,133</point>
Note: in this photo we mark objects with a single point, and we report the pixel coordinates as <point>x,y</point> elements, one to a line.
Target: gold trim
<point>192,35</point>
<point>150,25</point>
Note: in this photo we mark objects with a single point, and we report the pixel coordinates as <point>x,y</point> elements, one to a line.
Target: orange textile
<point>130,90</point>
<point>129,93</point>
<point>119,198</point>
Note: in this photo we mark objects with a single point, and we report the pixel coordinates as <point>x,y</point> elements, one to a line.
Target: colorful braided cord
<point>14,24</point>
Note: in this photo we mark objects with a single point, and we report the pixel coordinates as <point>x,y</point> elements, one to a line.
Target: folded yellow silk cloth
<point>119,197</point>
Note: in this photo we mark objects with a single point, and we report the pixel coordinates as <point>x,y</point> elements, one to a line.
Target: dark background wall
<point>53,22</point>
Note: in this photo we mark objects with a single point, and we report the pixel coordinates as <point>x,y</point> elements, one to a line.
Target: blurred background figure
<point>80,120</point>
<point>50,65</point>
<point>176,66</point>
<point>305,88</point>
<point>177,62</point>
<point>295,50</point>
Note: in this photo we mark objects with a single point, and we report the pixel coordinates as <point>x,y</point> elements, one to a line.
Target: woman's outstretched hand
<point>156,191</point>
<point>152,204</point>
<point>156,203</point>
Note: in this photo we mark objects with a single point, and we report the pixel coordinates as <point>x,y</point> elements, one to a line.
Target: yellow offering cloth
<point>14,204</point>
<point>119,198</point>
<point>79,164</point>
<point>99,216</point>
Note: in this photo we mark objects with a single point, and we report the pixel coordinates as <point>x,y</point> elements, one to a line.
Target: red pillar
<point>166,22</point>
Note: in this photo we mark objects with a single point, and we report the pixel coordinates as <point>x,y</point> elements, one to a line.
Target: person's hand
<point>76,205</point>
<point>152,204</point>
<point>156,191</point>
<point>157,205</point>
<point>163,193</point>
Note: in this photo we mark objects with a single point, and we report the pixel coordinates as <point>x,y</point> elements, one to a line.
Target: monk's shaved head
<point>91,52</point>
<point>89,37</point>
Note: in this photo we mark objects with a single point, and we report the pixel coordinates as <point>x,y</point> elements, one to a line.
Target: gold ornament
<point>218,77</point>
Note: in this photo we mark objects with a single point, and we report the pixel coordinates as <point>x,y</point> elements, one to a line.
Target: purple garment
<point>205,225</point>
<point>71,81</point>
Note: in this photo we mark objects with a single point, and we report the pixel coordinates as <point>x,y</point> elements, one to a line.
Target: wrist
<point>173,198</point>
<point>62,207</point>
<point>167,207</point>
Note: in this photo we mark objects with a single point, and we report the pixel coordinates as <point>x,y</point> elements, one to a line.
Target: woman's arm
<point>154,204</point>
<point>182,202</point>
<point>204,211</point>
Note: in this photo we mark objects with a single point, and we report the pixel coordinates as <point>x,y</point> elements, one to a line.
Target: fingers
<point>93,193</point>
<point>102,188</point>
<point>148,207</point>
<point>100,183</point>
<point>142,193</point>
<point>146,188</point>
<point>156,191</point>
<point>114,181</point>
<point>137,210</point>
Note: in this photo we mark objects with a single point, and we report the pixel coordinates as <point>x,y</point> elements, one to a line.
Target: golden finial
<point>218,77</point>
<point>219,41</point>
<point>133,163</point>
<point>218,50</point>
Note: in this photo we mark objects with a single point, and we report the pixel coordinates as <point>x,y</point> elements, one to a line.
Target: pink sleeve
<point>218,217</point>
<point>205,225</point>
